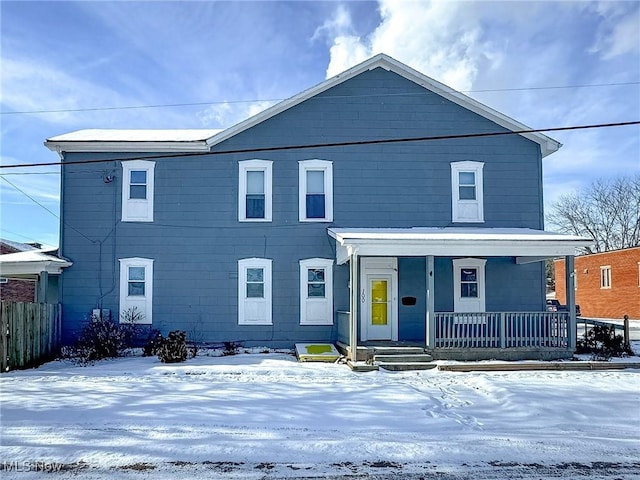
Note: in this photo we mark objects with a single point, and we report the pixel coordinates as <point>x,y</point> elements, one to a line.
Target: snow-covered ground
<point>266,416</point>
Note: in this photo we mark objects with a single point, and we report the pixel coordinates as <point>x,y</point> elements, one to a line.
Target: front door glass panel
<point>379,302</point>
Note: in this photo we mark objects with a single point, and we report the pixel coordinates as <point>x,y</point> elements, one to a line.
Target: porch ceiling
<point>523,243</point>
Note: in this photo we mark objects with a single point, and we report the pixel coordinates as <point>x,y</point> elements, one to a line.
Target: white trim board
<point>453,241</point>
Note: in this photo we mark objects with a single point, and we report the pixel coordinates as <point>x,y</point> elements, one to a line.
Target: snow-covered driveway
<point>259,415</point>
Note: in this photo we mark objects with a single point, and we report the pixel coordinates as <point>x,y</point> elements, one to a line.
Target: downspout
<point>353,318</point>
<point>571,301</point>
<point>430,320</point>
<point>60,229</point>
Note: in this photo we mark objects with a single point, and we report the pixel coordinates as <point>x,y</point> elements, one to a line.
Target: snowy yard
<point>267,416</point>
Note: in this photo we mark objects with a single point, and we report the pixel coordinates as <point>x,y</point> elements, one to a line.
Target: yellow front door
<point>379,306</point>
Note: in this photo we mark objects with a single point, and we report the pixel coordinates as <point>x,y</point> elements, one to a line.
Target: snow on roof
<point>452,233</point>
<point>135,135</point>
<point>17,245</point>
<point>523,243</point>
<point>32,262</point>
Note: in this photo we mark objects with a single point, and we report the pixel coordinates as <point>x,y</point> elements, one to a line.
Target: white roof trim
<point>31,263</point>
<point>453,242</point>
<point>547,145</point>
<point>114,140</point>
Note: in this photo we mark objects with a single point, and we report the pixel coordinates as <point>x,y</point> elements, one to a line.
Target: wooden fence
<point>30,333</point>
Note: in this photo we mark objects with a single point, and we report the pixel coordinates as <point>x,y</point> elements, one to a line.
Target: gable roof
<point>174,140</point>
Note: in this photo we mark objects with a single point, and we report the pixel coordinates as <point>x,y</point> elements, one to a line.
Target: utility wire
<point>227,102</point>
<point>331,144</point>
<point>48,210</point>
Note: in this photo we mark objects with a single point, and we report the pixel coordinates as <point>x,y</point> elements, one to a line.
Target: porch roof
<point>525,244</point>
<point>31,262</point>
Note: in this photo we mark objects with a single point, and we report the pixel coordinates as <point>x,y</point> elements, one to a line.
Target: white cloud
<point>439,39</point>
<point>346,51</point>
<point>224,115</point>
<point>619,31</point>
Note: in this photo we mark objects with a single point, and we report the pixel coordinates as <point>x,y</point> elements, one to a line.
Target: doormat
<point>316,352</point>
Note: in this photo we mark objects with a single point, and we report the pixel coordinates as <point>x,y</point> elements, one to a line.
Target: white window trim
<point>147,263</point>
<point>245,166</point>
<point>327,167</point>
<point>243,265</point>
<point>606,268</point>
<point>477,169</point>
<point>458,265</point>
<point>127,203</point>
<point>327,265</point>
<point>639,274</point>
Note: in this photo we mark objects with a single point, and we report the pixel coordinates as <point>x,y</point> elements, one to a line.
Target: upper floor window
<point>467,192</point>
<point>315,191</point>
<point>605,277</point>
<point>316,291</point>
<point>255,191</point>
<point>137,190</point>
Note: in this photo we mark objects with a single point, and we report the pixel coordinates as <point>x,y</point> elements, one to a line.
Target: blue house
<point>379,207</point>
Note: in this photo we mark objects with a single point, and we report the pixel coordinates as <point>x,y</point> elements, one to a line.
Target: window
<point>316,291</point>
<point>136,287</point>
<point>469,284</point>
<point>315,191</point>
<point>605,277</point>
<point>254,191</point>
<point>137,190</point>
<point>4,280</point>
<point>136,281</point>
<point>254,291</point>
<point>467,192</point>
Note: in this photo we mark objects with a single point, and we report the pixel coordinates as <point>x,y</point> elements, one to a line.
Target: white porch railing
<point>502,330</point>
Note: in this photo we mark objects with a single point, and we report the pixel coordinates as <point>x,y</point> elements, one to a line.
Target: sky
<point>68,66</point>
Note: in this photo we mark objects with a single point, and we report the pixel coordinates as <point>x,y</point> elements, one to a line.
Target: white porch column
<point>571,299</point>
<point>430,320</point>
<point>353,307</point>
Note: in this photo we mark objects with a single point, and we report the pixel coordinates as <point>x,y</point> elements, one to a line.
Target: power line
<point>41,205</point>
<point>228,102</point>
<point>4,230</point>
<point>332,144</point>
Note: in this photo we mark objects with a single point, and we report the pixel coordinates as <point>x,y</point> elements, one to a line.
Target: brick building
<point>16,289</point>
<point>607,284</point>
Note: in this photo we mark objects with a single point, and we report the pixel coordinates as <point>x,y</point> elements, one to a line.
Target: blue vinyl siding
<point>196,239</point>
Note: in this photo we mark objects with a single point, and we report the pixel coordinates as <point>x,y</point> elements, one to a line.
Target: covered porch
<point>481,292</point>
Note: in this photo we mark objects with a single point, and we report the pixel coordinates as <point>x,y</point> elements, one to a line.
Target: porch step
<point>396,350</point>
<point>405,366</point>
<point>403,358</point>
<point>404,361</point>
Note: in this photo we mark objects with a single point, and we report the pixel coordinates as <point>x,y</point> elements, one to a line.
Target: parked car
<point>554,305</point>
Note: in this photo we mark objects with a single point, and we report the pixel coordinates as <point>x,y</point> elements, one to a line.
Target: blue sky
<point>236,58</point>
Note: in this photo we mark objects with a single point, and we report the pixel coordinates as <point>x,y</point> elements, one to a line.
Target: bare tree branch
<point>608,211</point>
